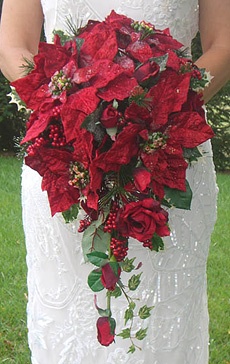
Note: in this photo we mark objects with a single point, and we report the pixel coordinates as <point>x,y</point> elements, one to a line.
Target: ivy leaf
<point>127,265</point>
<point>134,282</point>
<point>132,349</point>
<point>116,292</point>
<point>128,315</point>
<point>179,199</point>
<point>132,305</point>
<point>94,280</point>
<point>141,334</point>
<point>97,258</point>
<point>144,312</point>
<point>125,333</point>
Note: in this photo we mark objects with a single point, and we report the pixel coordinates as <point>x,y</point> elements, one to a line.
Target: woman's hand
<point>215,35</point>
<point>20,30</point>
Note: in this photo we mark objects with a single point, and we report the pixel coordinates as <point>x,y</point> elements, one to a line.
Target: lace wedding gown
<point>61,312</point>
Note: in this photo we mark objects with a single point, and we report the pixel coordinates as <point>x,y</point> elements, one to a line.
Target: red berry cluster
<point>111,220</point>
<point>56,112</point>
<point>39,141</point>
<point>147,244</point>
<point>56,136</point>
<point>119,248</point>
<point>84,224</point>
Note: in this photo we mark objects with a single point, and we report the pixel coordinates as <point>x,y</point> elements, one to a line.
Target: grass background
<point>13,333</point>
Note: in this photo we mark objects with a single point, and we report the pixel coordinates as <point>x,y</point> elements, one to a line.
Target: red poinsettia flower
<point>53,165</point>
<point>167,167</point>
<point>106,330</point>
<point>168,96</point>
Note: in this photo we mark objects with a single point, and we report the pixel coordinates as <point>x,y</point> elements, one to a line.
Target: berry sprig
<point>56,136</point>
<point>110,224</point>
<point>119,248</point>
<point>38,142</point>
<point>84,224</point>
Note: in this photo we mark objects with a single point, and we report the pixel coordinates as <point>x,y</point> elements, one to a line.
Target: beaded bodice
<point>181,16</point>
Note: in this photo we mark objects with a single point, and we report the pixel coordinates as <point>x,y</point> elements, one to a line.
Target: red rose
<point>142,219</point>
<point>106,330</point>
<point>109,117</point>
<point>110,275</point>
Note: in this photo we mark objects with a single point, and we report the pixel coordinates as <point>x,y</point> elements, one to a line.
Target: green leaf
<point>128,315</point>
<point>71,214</point>
<point>161,61</point>
<point>116,292</point>
<point>145,312</point>
<point>104,313</point>
<point>91,123</point>
<point>132,349</point>
<point>132,305</point>
<point>94,281</point>
<point>95,239</point>
<point>179,199</point>
<point>127,265</point>
<point>125,333</point>
<point>134,282</point>
<point>97,258</point>
<point>141,334</point>
<point>157,243</point>
<point>192,154</point>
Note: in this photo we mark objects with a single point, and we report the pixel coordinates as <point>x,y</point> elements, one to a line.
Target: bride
<point>61,314</point>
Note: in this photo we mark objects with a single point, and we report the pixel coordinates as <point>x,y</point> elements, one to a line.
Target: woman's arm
<point>20,30</point>
<point>215,39</point>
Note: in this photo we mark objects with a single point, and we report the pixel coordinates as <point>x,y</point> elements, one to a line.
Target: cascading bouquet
<point>116,118</point>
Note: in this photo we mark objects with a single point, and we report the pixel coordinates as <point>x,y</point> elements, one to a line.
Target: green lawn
<point>13,340</point>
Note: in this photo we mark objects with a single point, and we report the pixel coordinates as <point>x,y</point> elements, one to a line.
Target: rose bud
<point>148,69</point>
<point>142,178</point>
<point>110,116</point>
<point>106,330</point>
<point>110,275</point>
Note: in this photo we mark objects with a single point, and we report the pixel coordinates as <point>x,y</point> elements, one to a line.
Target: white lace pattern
<point>61,312</point>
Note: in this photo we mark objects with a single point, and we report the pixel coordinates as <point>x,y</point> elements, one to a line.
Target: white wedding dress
<point>61,312</point>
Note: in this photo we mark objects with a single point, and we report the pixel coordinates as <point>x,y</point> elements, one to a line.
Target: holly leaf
<point>97,258</point>
<point>192,154</point>
<point>94,281</point>
<point>179,199</point>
